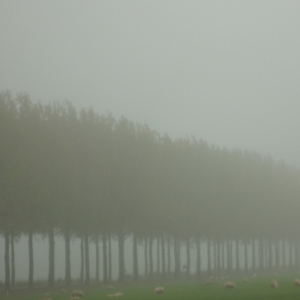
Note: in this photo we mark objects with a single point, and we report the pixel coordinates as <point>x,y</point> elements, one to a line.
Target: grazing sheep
<point>297,282</point>
<point>78,294</point>
<point>118,294</point>
<point>159,290</point>
<point>274,284</point>
<point>230,285</point>
<point>110,296</point>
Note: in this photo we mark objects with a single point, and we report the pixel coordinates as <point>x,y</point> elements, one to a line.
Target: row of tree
<point>91,176</point>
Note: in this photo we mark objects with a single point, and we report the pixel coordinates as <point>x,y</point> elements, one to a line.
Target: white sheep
<point>159,290</point>
<point>274,284</point>
<point>78,294</point>
<point>230,285</point>
<point>297,282</point>
<point>118,294</point>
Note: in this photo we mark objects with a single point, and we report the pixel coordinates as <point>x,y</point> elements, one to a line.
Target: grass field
<point>257,288</point>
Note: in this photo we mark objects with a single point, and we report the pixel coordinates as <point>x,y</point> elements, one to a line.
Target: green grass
<point>258,288</point>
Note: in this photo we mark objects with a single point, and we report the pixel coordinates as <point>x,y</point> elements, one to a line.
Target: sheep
<point>118,294</point>
<point>159,290</point>
<point>274,284</point>
<point>246,280</point>
<point>297,282</point>
<point>229,285</point>
<point>78,294</point>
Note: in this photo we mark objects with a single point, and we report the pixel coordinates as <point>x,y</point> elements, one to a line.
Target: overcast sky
<point>224,71</point>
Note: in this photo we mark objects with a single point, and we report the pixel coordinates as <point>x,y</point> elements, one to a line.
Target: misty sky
<point>224,71</point>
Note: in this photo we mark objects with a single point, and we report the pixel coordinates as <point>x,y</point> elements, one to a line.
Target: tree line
<point>89,176</point>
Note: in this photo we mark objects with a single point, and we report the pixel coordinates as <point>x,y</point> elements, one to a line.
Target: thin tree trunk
<point>104,258</point>
<point>253,256</point>
<point>97,275</point>
<point>109,259</point>
<point>150,258</point>
<point>228,256</point>
<point>51,274</point>
<point>30,250</point>
<point>290,255</point>
<point>82,259</point>
<point>12,261</point>
<point>208,258</point>
<point>246,256</point>
<point>219,257</point>
<point>277,256</point>
<point>87,259</point>
<point>146,256</point>
<point>198,261</point>
<point>188,258</point>
<point>135,259</point>
<point>176,272</point>
<point>163,256</point>
<point>169,256</point>
<point>283,254</point>
<point>237,257</point>
<point>121,257</point>
<point>261,254</point>
<point>158,257</point>
<point>68,258</point>
<point>6,258</point>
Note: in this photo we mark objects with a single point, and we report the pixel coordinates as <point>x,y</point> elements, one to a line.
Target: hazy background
<point>224,71</point>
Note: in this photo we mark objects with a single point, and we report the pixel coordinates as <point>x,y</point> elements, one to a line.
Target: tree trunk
<point>97,276</point>
<point>109,259</point>
<point>121,257</point>
<point>163,256</point>
<point>228,256</point>
<point>218,257</point>
<point>150,258</point>
<point>169,256</point>
<point>277,256</point>
<point>283,254</point>
<point>261,254</point>
<point>290,255</point>
<point>237,257</point>
<point>246,256</point>
<point>68,258</point>
<point>51,278</point>
<point>208,258</point>
<point>270,258</point>
<point>175,257</point>
<point>82,259</point>
<point>12,261</point>
<point>104,258</point>
<point>30,250</point>
<point>253,256</point>
<point>158,257</point>
<point>135,259</point>
<point>6,258</point>
<point>198,259</point>
<point>146,256</point>
<point>87,259</point>
<point>188,258</point>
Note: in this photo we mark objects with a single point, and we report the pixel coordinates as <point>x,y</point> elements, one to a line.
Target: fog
<point>223,71</point>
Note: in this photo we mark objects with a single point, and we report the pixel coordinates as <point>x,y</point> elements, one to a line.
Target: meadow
<point>256,288</point>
